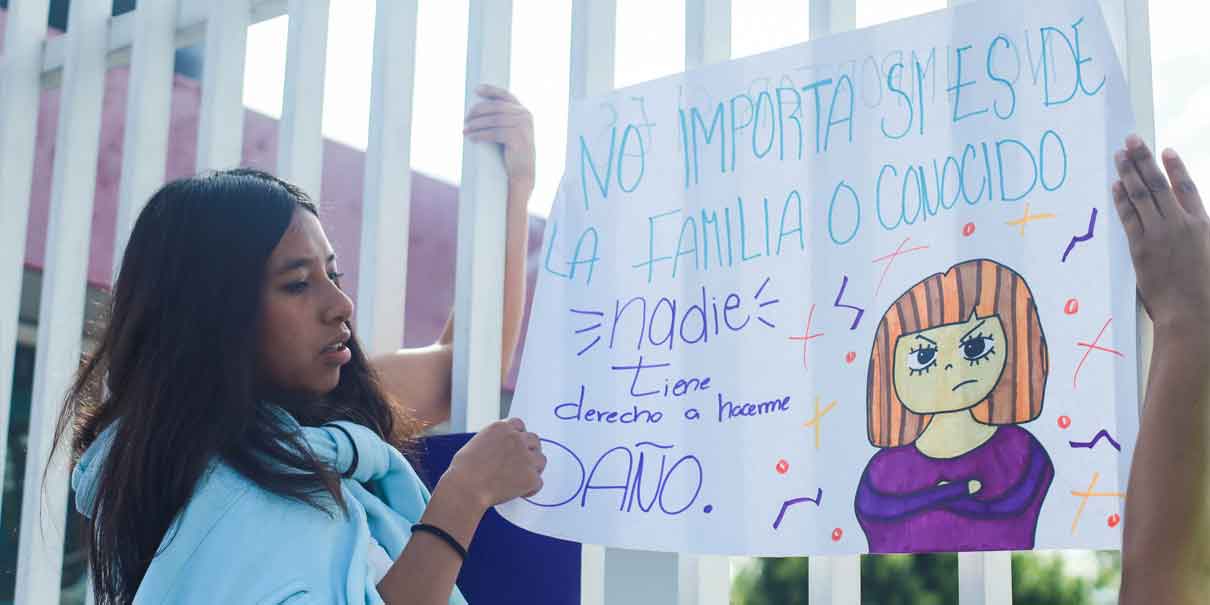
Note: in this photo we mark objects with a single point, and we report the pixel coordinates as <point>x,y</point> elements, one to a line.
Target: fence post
<point>1130,28</point>
<point>832,17</point>
<point>706,580</point>
<point>148,111</point>
<point>834,580</point>
<point>984,578</point>
<point>593,34</point>
<point>479,309</point>
<point>386,202</point>
<point>220,133</point>
<point>61,314</point>
<point>300,141</point>
<point>20,79</point>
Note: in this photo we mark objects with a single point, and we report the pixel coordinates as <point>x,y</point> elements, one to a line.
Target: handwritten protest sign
<point>864,294</point>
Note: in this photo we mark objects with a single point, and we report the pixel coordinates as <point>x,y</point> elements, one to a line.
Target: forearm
<point>1166,553</point>
<point>427,568</point>
<point>516,251</point>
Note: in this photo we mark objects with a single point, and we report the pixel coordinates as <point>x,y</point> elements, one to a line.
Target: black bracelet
<point>353,444</point>
<point>444,535</point>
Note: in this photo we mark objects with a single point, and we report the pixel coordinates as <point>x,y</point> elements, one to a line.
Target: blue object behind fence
<point>506,564</point>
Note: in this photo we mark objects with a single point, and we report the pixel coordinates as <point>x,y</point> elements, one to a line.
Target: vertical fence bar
<point>984,578</point>
<point>478,307</point>
<point>703,580</point>
<point>592,574</point>
<point>20,81</point>
<point>386,203</point>
<point>833,580</point>
<point>1130,27</point>
<point>148,110</point>
<point>1129,24</point>
<point>1137,22</point>
<point>593,31</point>
<point>707,32</point>
<point>706,580</point>
<point>607,575</point>
<point>832,17</point>
<point>300,139</point>
<point>61,314</point>
<point>1138,65</point>
<point>220,133</point>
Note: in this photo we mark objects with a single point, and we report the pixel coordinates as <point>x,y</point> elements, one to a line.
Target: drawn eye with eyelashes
<point>977,348</point>
<point>921,359</point>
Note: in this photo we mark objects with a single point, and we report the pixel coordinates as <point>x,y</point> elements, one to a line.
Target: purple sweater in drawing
<point>901,507</point>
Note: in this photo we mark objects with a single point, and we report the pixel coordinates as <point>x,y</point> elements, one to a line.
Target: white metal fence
<point>146,38</point>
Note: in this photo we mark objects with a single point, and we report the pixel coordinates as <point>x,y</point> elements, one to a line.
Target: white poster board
<point>864,294</point>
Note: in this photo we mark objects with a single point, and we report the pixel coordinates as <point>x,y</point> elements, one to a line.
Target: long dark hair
<point>176,365</point>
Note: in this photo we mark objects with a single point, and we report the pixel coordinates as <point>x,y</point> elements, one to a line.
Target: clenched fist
<point>500,463</point>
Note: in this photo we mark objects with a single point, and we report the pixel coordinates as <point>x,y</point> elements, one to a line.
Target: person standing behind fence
<point>1166,543</point>
<point>233,443</point>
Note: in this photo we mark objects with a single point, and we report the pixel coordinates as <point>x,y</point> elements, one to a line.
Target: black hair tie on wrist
<point>353,444</point>
<point>445,536</point>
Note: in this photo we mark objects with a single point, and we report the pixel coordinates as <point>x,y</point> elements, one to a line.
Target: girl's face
<point>304,313</point>
<point>951,367</point>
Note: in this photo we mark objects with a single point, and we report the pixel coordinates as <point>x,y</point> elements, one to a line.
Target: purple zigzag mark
<point>1097,438</point>
<point>792,501</point>
<point>837,303</point>
<point>1092,222</point>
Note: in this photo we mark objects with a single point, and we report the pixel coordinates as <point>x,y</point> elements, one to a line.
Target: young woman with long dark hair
<point>232,441</point>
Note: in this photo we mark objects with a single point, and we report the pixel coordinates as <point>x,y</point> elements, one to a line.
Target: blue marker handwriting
<point>740,235</point>
<point>625,476</point>
<point>663,322</point>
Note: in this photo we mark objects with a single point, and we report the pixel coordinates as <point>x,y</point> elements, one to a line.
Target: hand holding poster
<point>863,294</point>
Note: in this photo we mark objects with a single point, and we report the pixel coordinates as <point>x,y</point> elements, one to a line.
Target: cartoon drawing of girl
<point>958,362</point>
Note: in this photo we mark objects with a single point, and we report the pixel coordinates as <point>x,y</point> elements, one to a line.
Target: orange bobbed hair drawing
<point>986,288</point>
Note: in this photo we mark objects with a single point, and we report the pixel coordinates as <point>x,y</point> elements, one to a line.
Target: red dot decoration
<point>850,356</point>
<point>782,466</point>
<point>968,229</point>
<point>1114,519</point>
<point>1072,307</point>
<point>837,534</point>
<point>1064,422</point>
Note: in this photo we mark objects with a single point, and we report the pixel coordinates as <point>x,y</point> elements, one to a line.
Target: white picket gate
<point>146,38</point>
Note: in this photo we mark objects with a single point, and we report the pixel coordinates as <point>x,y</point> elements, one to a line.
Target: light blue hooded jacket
<point>235,542</point>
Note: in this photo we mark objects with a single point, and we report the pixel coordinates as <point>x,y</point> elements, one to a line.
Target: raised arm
<point>420,378</point>
<point>1166,548</point>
